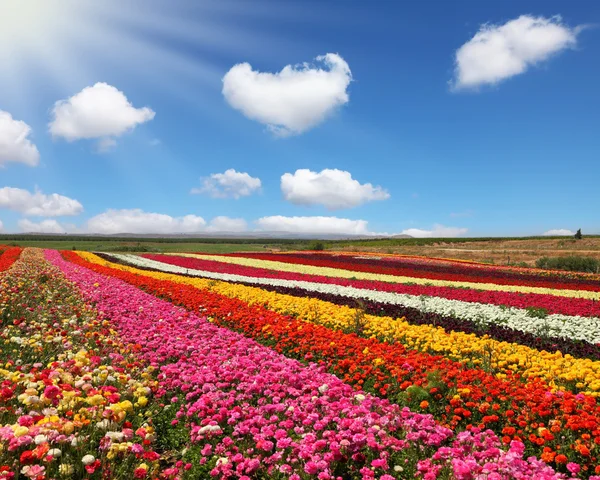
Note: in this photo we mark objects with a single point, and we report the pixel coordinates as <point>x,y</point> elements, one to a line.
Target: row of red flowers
<point>469,265</point>
<point>558,427</point>
<point>8,257</point>
<point>552,304</point>
<point>579,349</point>
<point>454,273</point>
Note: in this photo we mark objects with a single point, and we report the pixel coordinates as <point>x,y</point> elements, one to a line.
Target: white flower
<point>359,397</point>
<point>88,459</point>
<point>55,452</point>
<point>222,461</point>
<point>209,429</point>
<point>115,436</point>
<point>39,439</point>
<point>556,325</point>
<point>323,388</point>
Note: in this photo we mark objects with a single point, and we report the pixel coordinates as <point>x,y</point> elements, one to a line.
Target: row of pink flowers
<point>257,413</point>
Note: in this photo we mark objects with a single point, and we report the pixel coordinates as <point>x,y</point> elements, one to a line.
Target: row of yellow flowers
<point>341,273</point>
<point>560,371</point>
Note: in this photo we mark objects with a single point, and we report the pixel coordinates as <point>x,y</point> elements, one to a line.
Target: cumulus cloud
<point>15,146</point>
<point>498,52</point>
<point>332,188</point>
<point>438,231</point>
<point>1,226</point>
<point>291,101</point>
<point>227,224</point>
<point>138,221</point>
<point>313,225</point>
<point>230,184</point>
<point>558,232</point>
<point>38,203</point>
<point>45,226</point>
<point>101,112</point>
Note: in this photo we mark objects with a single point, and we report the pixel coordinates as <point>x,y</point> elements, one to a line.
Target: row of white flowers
<point>555,325</point>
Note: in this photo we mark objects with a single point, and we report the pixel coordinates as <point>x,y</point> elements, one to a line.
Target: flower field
<point>295,365</point>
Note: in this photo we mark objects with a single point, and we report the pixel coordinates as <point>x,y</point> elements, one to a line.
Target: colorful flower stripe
<point>300,413</point>
<point>436,262</point>
<point>457,261</point>
<point>538,272</point>
<point>555,326</point>
<point>341,273</point>
<point>415,316</point>
<point>457,395</point>
<point>423,269</point>
<point>9,257</point>
<point>70,405</point>
<point>550,303</point>
<point>557,369</point>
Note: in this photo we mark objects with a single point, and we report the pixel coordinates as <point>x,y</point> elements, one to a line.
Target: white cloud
<point>138,221</point>
<point>313,225</point>
<point>38,203</point>
<point>15,146</point>
<point>1,226</point>
<point>45,226</point>
<point>291,101</point>
<point>498,52</point>
<point>230,184</point>
<point>438,231</point>
<point>558,232</point>
<point>226,224</point>
<point>332,188</point>
<point>100,111</point>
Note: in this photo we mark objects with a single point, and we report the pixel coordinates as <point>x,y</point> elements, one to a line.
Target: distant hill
<point>221,235</point>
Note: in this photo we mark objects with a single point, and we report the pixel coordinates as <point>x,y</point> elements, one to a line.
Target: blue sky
<point>384,135</point>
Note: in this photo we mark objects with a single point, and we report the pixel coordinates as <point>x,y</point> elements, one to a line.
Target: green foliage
<point>535,312</point>
<point>572,263</point>
<point>318,246</point>
<point>578,235</point>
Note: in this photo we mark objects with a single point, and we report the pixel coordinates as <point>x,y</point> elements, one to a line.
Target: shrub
<point>317,246</point>
<point>578,235</point>
<point>572,263</point>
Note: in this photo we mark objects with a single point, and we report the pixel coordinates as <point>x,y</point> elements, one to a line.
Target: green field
<point>142,246</point>
<point>228,245</point>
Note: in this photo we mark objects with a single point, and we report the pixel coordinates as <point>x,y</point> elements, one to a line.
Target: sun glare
<point>24,23</point>
<point>72,44</point>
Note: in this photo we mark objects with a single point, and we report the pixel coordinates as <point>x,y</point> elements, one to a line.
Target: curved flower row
<point>414,316</point>
<point>559,426</point>
<point>554,325</point>
<point>578,374</point>
<point>551,304</point>
<point>470,265</point>
<point>329,271</point>
<point>8,257</point>
<point>429,269</point>
<point>70,406</point>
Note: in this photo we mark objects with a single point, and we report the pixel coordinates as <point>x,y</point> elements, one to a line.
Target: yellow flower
<point>19,431</point>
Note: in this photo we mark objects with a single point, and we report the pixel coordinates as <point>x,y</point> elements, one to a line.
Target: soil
<point>499,252</point>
